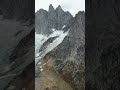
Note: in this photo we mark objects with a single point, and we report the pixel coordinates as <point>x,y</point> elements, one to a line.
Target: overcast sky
<point>73,6</point>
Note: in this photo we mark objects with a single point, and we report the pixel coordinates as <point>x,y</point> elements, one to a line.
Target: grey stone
<point>54,18</point>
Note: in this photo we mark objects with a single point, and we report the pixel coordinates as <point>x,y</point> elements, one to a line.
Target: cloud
<point>73,6</point>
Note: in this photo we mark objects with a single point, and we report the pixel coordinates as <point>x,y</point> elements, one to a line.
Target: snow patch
<point>64,26</point>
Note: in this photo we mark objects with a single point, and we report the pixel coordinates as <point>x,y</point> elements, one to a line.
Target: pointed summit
<point>59,8</point>
<point>51,8</point>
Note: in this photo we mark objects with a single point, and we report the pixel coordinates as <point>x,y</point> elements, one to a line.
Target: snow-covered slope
<point>41,39</point>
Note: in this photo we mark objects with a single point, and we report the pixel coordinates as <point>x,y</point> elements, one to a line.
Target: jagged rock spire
<point>59,8</point>
<point>51,8</point>
<point>53,18</point>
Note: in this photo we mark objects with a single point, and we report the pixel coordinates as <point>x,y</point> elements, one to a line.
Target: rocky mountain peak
<point>51,8</point>
<point>59,8</point>
<point>54,18</point>
<point>42,11</point>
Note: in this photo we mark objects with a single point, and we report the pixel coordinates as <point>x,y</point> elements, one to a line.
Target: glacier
<point>40,39</point>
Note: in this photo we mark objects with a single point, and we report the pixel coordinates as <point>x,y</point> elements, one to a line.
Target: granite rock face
<point>53,18</point>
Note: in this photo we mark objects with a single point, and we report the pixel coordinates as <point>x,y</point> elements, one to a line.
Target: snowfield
<point>40,39</point>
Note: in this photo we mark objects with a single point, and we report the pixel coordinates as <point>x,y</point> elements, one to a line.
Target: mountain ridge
<point>53,18</point>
